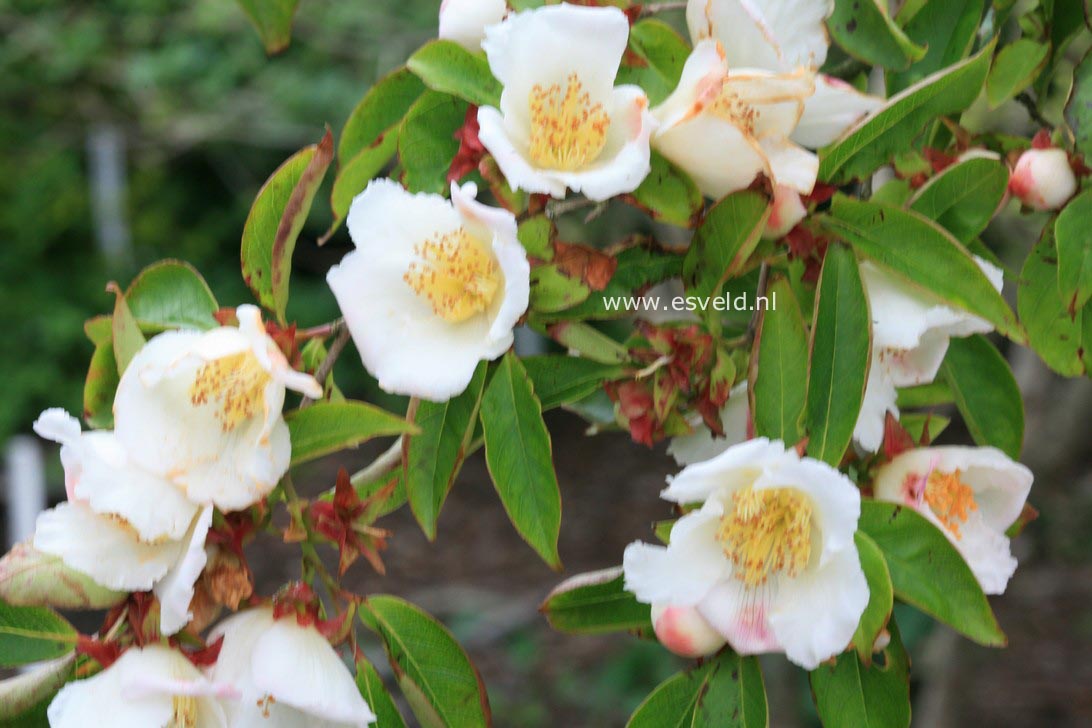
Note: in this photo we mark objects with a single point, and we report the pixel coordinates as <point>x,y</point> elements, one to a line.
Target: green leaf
<point>375,694</point>
<point>947,28</point>
<point>594,603</point>
<point>327,427</point>
<point>1078,107</point>
<point>440,684</point>
<point>668,194</point>
<point>435,455</point>
<point>661,51</point>
<point>125,331</point>
<point>917,249</point>
<point>1053,332</point>
<point>925,395</point>
<point>273,21</point>
<point>840,352</point>
<point>99,387</point>
<point>1073,237</point>
<point>33,634</point>
<point>725,240</point>
<point>275,221</point>
<point>881,596</point>
<point>171,294</point>
<point>536,235</point>
<point>849,694</point>
<point>552,290</point>
<point>589,342</point>
<point>30,578</point>
<point>725,692</point>
<point>915,424</point>
<point>353,177</point>
<point>865,31</point>
<point>427,143</point>
<point>872,142</point>
<point>1014,69</point>
<point>779,370</point>
<point>963,198</point>
<point>446,66</point>
<point>985,393</point>
<point>518,453</point>
<point>559,378</point>
<point>21,693</point>
<point>927,571</point>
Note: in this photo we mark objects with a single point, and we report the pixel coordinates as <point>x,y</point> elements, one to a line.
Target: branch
<point>382,465</point>
<point>653,8</point>
<point>1033,109</point>
<point>327,365</point>
<point>763,280</point>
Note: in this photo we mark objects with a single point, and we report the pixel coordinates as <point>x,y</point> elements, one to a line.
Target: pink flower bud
<point>788,209</point>
<point>465,21</point>
<point>1043,179</point>
<point>685,632</point>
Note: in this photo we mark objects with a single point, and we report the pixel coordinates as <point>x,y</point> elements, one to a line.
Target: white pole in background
<point>26,494</point>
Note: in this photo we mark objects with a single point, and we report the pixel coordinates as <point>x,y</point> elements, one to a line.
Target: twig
<point>324,331</point>
<point>653,8</point>
<point>382,465</point>
<point>1033,109</point>
<point>763,279</point>
<point>327,365</point>
<point>557,208</point>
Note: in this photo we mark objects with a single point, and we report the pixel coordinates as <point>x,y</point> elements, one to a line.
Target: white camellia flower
<point>465,21</point>
<point>725,127</point>
<point>910,333</point>
<point>147,687</point>
<point>289,676</point>
<point>562,123</point>
<point>203,409</point>
<point>700,445</point>
<point>123,527</point>
<point>782,36</point>
<point>433,287</point>
<point>768,560</point>
<point>972,494</point>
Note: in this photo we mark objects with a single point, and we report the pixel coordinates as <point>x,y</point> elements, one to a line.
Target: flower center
<point>185,712</point>
<point>767,532</point>
<point>730,107</point>
<point>567,130</point>
<point>457,275</point>
<point>951,499</point>
<point>235,384</point>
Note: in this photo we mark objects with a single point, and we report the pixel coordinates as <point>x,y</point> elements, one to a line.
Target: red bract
<point>346,521</point>
<point>470,151</point>
<point>896,440</point>
<point>104,653</point>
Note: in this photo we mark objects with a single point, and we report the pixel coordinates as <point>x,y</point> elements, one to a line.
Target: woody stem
<point>336,347</point>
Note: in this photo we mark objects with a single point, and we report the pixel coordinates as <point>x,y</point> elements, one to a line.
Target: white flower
<point>973,494</point>
<point>768,560</point>
<point>123,527</point>
<point>465,21</point>
<point>1043,179</point>
<point>910,334</point>
<point>288,676</point>
<point>432,287</point>
<point>562,123</point>
<point>684,631</point>
<point>700,445</point>
<point>781,36</point>
<point>726,127</point>
<point>203,409</point>
<point>145,688</point>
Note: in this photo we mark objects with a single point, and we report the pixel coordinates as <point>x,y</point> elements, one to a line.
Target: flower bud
<point>788,209</point>
<point>685,632</point>
<point>464,21</point>
<point>1043,179</point>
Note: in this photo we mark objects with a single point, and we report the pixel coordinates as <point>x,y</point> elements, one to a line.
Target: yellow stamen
<point>185,712</point>
<point>767,532</point>
<point>265,705</point>
<point>236,384</point>
<point>456,273</point>
<point>731,107</point>
<point>567,131</point>
<point>951,499</point>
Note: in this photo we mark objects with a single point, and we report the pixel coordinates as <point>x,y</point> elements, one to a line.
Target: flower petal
<point>718,155</point>
<point>771,34</point>
<point>175,589</point>
<point>103,548</point>
<point>831,110</point>
<point>465,21</point>
<point>879,399</point>
<point>683,572</point>
<point>736,467</point>
<point>815,614</point>
<point>792,166</point>
<point>741,616</point>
